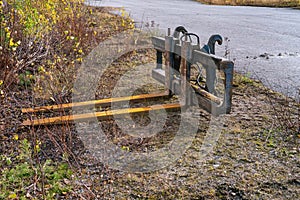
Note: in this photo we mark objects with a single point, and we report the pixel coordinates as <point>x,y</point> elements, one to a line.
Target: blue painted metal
<point>211,72</point>
<point>210,46</point>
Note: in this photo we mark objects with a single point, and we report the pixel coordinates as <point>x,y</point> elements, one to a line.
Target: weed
<point>22,177</point>
<point>245,79</point>
<point>26,79</point>
<point>227,49</point>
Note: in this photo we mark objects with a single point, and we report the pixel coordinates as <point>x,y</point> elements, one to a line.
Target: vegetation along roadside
<point>264,3</point>
<point>42,45</point>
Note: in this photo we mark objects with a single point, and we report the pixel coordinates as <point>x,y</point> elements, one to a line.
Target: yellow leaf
<point>125,148</point>
<point>41,69</point>
<point>16,137</point>
<point>1,82</point>
<point>12,196</point>
<point>11,42</point>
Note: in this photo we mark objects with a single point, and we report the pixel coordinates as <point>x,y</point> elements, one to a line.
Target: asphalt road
<point>264,42</point>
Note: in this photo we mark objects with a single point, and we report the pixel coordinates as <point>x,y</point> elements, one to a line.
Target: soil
<point>256,157</point>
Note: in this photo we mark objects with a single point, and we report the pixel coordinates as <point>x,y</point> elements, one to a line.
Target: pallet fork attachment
<point>178,55</point>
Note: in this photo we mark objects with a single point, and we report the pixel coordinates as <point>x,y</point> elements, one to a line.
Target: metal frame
<point>192,54</point>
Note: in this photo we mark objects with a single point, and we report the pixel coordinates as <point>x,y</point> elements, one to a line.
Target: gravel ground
<point>255,157</point>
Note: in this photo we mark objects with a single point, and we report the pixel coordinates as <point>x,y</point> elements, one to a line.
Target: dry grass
<point>267,3</point>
